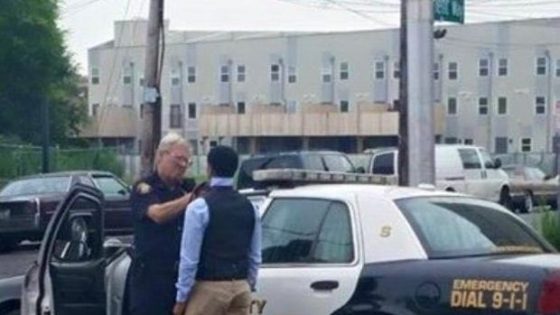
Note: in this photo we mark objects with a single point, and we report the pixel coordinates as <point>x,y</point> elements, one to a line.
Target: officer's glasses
<point>181,160</point>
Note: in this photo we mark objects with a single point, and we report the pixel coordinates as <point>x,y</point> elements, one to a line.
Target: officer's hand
<point>179,308</point>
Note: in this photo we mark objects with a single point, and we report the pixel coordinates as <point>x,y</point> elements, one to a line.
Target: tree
<point>35,67</point>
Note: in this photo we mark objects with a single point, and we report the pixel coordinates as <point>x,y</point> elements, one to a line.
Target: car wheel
<point>505,199</point>
<point>528,203</point>
<point>7,244</point>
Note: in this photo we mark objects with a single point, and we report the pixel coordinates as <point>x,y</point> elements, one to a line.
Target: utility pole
<point>151,127</point>
<point>403,102</point>
<point>46,135</point>
<point>421,136</point>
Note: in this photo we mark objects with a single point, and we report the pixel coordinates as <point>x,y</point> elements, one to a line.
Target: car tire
<point>7,244</point>
<point>528,205</point>
<point>13,312</point>
<point>505,199</point>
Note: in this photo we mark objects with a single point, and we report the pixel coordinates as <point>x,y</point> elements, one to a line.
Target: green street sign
<point>449,10</point>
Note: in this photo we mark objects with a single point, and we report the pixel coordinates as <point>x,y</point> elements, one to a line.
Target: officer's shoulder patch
<point>143,188</point>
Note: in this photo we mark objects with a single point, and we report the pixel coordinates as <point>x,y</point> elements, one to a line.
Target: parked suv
<point>311,160</point>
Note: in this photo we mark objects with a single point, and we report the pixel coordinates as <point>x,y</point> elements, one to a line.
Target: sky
<point>88,23</point>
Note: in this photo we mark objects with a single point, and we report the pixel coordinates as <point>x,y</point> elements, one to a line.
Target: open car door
<point>71,261</point>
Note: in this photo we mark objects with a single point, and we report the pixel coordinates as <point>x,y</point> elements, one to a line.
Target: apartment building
<point>495,85</point>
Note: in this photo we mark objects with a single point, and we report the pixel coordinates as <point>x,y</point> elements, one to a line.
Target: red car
<point>27,203</point>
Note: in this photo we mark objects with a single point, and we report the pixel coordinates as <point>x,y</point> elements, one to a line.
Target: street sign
<point>449,11</point>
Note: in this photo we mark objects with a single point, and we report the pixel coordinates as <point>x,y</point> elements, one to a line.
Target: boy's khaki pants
<point>220,298</point>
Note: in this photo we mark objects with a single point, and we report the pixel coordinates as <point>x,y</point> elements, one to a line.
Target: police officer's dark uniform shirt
<point>156,254</point>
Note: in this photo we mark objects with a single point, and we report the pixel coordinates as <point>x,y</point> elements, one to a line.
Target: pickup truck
<point>330,249</point>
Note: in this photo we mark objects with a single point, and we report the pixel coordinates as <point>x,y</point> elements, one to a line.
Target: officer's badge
<point>143,188</point>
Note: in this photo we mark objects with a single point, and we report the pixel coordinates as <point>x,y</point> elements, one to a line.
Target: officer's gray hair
<point>167,142</point>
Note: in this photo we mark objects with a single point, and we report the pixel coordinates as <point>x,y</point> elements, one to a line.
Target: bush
<point>550,228</point>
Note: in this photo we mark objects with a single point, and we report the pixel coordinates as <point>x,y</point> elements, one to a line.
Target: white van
<point>460,168</point>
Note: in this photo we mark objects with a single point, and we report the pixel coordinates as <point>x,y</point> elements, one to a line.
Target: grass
<point>550,227</point>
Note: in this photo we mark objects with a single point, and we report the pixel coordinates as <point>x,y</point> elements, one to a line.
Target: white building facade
<point>495,84</point>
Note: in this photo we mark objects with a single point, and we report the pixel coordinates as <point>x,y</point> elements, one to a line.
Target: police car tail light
<point>299,176</point>
<point>549,300</point>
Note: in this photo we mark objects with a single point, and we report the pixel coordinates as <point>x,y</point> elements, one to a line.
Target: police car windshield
<point>462,227</point>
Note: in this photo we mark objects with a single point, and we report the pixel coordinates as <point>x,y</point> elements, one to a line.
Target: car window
<point>43,185</point>
<point>384,164</point>
<point>470,159</point>
<point>449,227</point>
<point>313,162</point>
<point>110,186</point>
<point>245,173</point>
<point>288,161</point>
<point>486,159</point>
<point>533,173</point>
<point>303,230</point>
<point>338,163</point>
<point>86,181</point>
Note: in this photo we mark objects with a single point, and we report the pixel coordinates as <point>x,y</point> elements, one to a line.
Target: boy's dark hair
<point>223,160</point>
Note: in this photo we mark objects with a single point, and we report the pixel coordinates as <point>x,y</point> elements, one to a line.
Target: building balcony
<point>313,120</point>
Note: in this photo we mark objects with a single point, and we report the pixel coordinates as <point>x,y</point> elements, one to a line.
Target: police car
<point>330,249</point>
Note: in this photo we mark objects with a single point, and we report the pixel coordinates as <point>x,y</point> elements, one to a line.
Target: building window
<point>224,74</point>
<point>127,79</point>
<point>141,111</point>
<point>483,106</point>
<point>436,71</point>
<point>94,76</point>
<point>241,73</point>
<point>192,110</point>
<point>468,141</point>
<point>379,70</point>
<point>396,69</point>
<point>503,67</point>
<point>344,71</point>
<point>94,109</point>
<point>292,77</point>
<point>191,74</point>
<point>483,67</point>
<point>241,108</point>
<point>175,79</point>
<point>540,105</point>
<point>175,116</point>
<point>452,106</point>
<point>558,68</point>
<point>141,82</point>
<point>344,106</point>
<point>453,71</point>
<point>526,145</point>
<point>541,66</point>
<point>326,76</point>
<point>502,105</point>
<point>274,72</point>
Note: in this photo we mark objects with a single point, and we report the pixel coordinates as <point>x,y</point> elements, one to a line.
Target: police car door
<point>71,262</point>
<point>311,261</point>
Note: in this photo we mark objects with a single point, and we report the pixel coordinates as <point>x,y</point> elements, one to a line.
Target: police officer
<point>221,245</point>
<point>158,205</point>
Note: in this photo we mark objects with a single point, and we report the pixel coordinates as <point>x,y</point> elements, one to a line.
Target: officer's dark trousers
<point>152,290</point>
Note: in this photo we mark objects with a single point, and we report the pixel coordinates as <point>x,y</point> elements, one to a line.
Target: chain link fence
<point>18,160</point>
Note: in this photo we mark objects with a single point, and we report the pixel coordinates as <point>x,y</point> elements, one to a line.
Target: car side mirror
<point>548,177</point>
<point>360,170</point>
<point>122,192</point>
<point>497,163</point>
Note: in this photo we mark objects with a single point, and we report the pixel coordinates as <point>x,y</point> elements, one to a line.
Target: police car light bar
<point>299,176</point>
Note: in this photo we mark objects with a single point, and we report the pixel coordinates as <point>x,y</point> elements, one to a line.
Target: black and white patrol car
<point>332,249</point>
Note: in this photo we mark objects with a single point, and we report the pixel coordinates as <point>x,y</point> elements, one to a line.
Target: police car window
<point>306,231</point>
<point>470,159</point>
<point>338,163</point>
<point>334,244</point>
<point>449,227</point>
<point>86,181</point>
<point>384,164</point>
